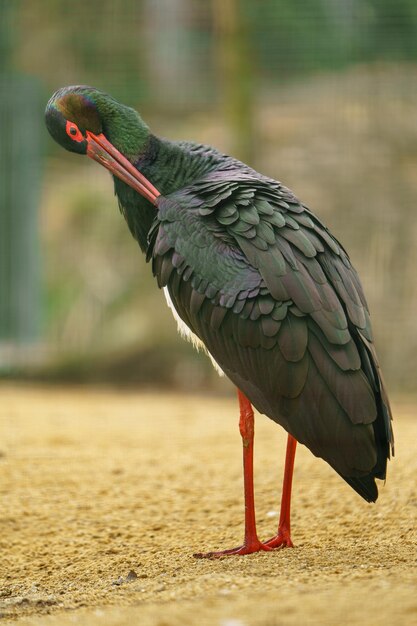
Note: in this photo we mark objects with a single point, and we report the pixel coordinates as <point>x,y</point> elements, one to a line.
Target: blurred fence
<point>20,165</point>
<point>19,202</point>
<point>320,94</point>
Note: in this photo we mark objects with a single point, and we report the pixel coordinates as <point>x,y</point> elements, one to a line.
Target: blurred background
<point>320,94</point>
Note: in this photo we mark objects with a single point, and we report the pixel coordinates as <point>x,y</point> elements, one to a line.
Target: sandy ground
<point>96,484</point>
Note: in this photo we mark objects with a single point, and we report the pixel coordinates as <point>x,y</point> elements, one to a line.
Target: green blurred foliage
<point>296,38</point>
<point>98,40</point>
<point>119,45</point>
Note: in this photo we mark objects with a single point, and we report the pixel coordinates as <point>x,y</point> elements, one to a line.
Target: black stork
<point>253,275</point>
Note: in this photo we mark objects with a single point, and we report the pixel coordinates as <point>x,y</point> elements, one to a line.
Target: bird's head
<point>87,121</point>
<point>72,117</point>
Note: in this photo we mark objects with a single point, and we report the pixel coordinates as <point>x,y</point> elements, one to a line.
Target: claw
<point>282,540</point>
<point>240,551</point>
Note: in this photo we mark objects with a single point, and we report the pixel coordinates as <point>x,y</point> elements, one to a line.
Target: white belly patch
<point>185,332</point>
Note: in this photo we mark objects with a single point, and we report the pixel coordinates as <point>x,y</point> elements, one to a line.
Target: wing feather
<point>276,301</point>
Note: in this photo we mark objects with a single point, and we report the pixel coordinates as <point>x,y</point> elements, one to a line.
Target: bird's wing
<point>275,299</point>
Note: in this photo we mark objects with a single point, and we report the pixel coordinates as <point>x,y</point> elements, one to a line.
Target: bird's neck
<point>123,126</point>
<point>169,166</point>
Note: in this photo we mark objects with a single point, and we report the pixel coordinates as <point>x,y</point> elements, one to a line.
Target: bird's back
<point>274,297</point>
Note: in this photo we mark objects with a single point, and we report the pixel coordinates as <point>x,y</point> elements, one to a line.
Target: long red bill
<point>101,150</point>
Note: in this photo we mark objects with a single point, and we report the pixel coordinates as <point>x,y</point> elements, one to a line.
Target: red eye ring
<point>74,132</point>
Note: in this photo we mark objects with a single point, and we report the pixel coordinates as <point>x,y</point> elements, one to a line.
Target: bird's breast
<point>185,332</point>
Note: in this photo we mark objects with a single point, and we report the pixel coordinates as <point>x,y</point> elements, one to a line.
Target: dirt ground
<point>106,495</point>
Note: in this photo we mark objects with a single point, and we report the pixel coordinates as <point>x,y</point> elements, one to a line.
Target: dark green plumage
<point>270,292</point>
<point>294,334</point>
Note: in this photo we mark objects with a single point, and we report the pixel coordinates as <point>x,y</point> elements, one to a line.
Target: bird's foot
<point>247,548</point>
<point>282,539</point>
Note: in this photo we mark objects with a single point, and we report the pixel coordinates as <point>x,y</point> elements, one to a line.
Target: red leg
<point>283,538</point>
<point>251,542</point>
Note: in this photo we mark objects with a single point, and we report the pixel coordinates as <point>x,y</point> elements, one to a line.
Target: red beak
<point>101,150</point>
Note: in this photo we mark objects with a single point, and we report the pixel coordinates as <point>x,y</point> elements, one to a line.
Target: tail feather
<point>365,486</point>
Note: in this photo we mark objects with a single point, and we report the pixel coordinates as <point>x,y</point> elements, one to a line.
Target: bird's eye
<point>74,132</point>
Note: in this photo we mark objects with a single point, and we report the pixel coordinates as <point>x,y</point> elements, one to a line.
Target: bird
<point>255,278</point>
